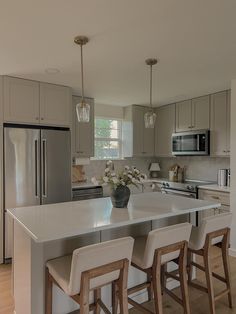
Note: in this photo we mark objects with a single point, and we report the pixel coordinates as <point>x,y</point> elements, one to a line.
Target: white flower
<point>107,170</point>
<point>115,180</point>
<point>105,179</point>
<point>141,180</point>
<point>113,174</point>
<point>126,167</point>
<point>122,182</point>
<point>94,181</point>
<point>144,176</point>
<point>104,184</point>
<point>136,171</point>
<point>109,162</point>
<point>134,180</point>
<point>130,176</point>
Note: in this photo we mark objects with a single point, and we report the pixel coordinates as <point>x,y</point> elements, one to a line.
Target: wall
<point>106,111</point>
<point>198,168</point>
<point>233,166</point>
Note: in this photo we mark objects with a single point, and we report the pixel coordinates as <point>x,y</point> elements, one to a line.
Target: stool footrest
<point>174,296</point>
<point>139,306</point>
<point>139,287</point>
<point>221,294</point>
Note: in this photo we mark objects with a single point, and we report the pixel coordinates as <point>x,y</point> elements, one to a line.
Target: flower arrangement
<point>128,176</point>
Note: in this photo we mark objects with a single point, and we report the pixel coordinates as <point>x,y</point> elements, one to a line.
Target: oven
<point>191,143</point>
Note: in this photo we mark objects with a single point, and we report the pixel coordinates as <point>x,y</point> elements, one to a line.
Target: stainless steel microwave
<point>191,143</point>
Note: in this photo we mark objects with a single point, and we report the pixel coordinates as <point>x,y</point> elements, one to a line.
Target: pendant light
<point>82,108</point>
<point>150,115</point>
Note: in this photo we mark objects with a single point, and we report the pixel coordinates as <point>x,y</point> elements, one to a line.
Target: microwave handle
<point>198,142</point>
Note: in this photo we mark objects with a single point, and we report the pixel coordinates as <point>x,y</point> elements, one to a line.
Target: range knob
<point>190,187</point>
<point>167,185</point>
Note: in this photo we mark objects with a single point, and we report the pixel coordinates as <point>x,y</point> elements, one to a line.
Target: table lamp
<point>154,169</point>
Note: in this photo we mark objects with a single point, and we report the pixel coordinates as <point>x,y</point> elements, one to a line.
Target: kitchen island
<point>48,231</point>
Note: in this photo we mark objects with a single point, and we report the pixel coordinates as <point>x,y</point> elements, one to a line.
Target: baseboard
<point>232,252</point>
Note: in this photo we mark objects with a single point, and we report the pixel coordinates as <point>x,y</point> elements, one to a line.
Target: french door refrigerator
<point>37,170</point>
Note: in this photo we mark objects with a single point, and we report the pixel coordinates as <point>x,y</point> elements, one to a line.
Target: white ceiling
<point>195,41</point>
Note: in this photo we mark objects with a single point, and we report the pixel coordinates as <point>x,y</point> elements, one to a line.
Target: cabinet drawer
<point>216,196</point>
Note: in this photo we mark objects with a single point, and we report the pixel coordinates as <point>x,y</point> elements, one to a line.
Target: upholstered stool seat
<point>152,253</point>
<point>214,230</point>
<point>88,269</point>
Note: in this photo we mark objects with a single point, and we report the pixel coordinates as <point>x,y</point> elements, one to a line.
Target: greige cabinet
<point>83,132</point>
<point>201,113</point>
<point>193,114</point>
<point>165,126</point>
<point>137,140</point>
<point>21,100</point>
<point>220,124</point>
<point>214,196</point>
<point>55,105</point>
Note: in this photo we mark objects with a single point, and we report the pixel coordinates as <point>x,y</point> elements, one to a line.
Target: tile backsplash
<point>198,168</point>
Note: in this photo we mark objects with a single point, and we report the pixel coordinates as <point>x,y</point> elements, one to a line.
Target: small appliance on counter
<point>223,178</point>
<point>154,169</point>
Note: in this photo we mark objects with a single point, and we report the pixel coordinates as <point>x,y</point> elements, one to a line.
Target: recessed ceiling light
<point>52,70</point>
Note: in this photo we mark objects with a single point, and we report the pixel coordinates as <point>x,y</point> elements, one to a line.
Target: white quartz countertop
<point>57,221</point>
<point>215,187</point>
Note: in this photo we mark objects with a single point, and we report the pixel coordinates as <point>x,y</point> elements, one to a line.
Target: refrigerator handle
<point>36,168</point>
<point>44,166</point>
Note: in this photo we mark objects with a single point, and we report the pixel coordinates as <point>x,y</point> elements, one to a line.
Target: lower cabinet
<point>215,196</point>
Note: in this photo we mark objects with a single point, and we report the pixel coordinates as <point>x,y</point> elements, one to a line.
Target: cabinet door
<point>219,124</point>
<point>165,126</point>
<point>183,116</point>
<point>1,100</point>
<point>83,131</point>
<point>201,113</point>
<point>148,138</point>
<point>138,130</point>
<point>55,105</point>
<point>228,122</point>
<point>21,100</point>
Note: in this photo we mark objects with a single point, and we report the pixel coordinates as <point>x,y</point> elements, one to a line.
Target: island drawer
<point>221,197</point>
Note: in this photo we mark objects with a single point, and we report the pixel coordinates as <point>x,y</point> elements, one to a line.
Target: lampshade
<point>155,166</point>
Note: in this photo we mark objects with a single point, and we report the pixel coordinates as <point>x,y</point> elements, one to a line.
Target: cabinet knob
<point>37,118</point>
<point>190,127</point>
<point>224,151</point>
<point>42,118</point>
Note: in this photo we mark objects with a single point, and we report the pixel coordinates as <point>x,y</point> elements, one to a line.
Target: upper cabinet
<point>220,124</point>
<point>32,102</point>
<point>183,116</point>
<point>55,104</point>
<point>193,114</point>
<point>138,140</point>
<point>201,113</point>
<point>21,100</point>
<point>165,126</point>
<point>83,132</point>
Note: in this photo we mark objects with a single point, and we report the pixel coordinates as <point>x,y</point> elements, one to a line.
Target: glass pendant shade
<point>150,119</point>
<point>83,112</point>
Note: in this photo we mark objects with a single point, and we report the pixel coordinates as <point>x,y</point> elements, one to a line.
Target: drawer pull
<point>215,197</point>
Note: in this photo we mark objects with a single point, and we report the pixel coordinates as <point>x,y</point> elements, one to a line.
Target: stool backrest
<point>211,224</point>
<point>93,256</point>
<point>163,237</point>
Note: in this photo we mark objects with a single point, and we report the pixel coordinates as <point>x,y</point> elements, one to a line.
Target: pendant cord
<point>151,86</point>
<point>82,72</point>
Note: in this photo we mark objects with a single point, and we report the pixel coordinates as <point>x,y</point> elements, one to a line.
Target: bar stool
<point>88,269</point>
<point>151,255</point>
<point>212,231</point>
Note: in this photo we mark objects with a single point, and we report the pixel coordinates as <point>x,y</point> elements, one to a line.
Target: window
<point>108,138</point>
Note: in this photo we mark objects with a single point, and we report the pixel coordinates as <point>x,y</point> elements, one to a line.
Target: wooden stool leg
<point>163,277</point>
<point>156,279</point>
<point>209,278</point>
<point>114,298</point>
<point>97,296</point>
<point>84,294</point>
<point>48,292</point>
<point>225,257</point>
<point>183,279</point>
<point>122,286</point>
<point>149,289</point>
<point>190,266</point>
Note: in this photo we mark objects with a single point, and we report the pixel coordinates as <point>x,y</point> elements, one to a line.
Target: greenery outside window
<point>108,138</point>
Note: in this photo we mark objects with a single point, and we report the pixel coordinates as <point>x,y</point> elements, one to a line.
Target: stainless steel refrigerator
<point>37,170</point>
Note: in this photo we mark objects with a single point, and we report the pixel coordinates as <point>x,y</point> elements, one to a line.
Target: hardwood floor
<point>198,300</point>
<point>6,300</point>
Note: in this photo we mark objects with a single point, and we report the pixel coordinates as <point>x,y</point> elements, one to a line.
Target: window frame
<point>110,139</point>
